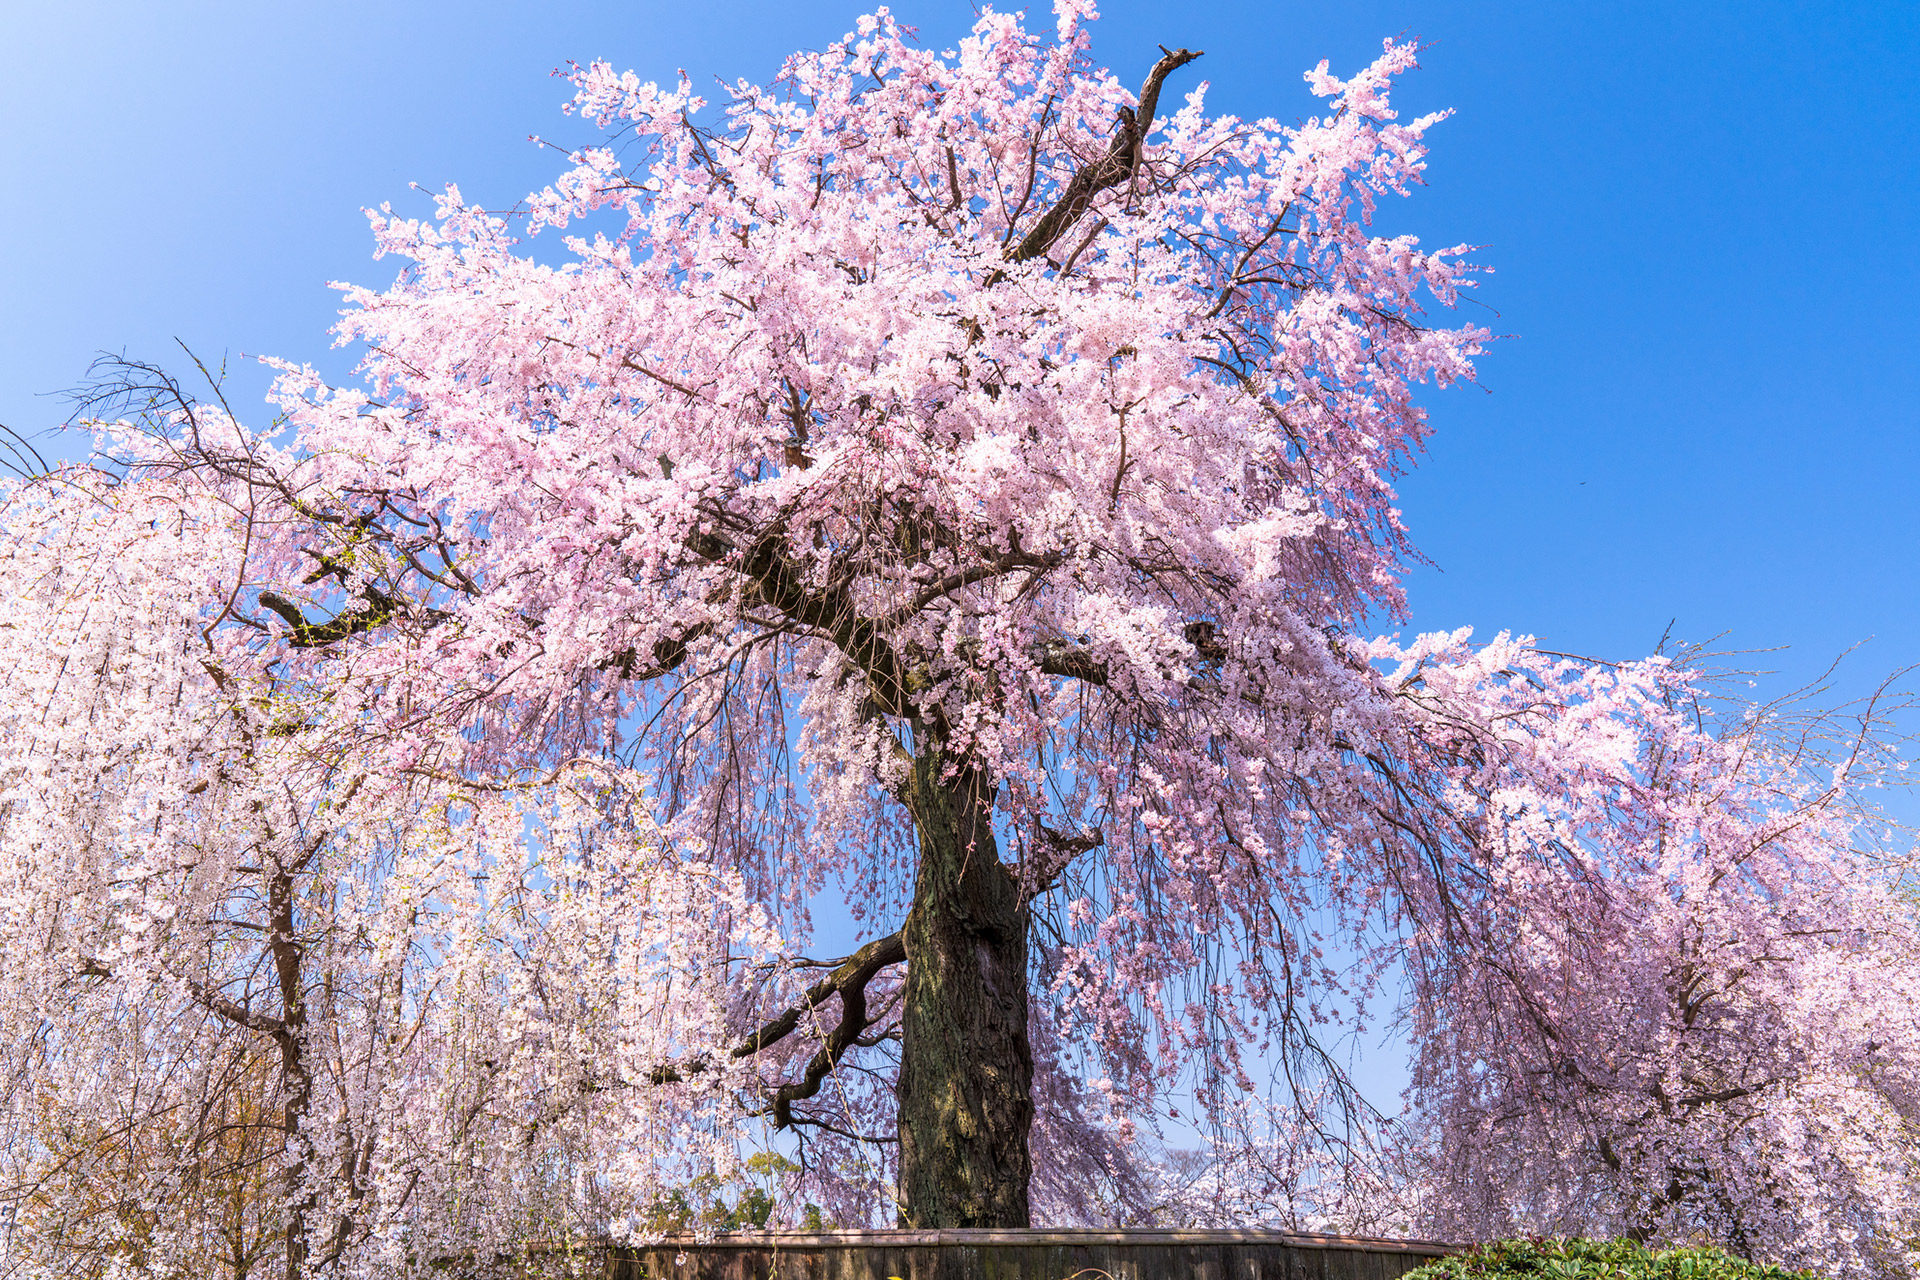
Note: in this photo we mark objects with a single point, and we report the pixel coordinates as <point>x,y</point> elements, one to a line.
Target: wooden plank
<point>1022,1255</point>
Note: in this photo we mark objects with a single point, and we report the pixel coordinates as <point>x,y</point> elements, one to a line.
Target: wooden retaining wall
<point>1024,1255</point>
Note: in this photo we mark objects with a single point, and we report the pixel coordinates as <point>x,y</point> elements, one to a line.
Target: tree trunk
<point>296,1081</point>
<point>966,1066</point>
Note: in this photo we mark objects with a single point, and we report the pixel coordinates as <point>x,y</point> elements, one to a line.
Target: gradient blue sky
<point>1704,220</point>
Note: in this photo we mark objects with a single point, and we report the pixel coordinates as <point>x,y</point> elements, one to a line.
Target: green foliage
<point>701,1204</point>
<point>1550,1259</point>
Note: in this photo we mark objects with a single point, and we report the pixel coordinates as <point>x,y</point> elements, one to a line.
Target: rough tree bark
<point>966,1066</point>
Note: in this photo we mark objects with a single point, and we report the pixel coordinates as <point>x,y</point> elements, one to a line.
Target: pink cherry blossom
<point>961,483</point>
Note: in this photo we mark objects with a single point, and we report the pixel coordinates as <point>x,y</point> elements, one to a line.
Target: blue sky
<point>1704,220</point>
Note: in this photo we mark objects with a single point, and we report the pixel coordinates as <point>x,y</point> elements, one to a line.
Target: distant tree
<point>1716,1036</point>
<point>265,1011</point>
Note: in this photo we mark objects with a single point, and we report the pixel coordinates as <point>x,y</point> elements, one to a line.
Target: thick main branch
<point>782,585</point>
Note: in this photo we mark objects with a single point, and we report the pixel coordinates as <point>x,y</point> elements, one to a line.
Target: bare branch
<point>313,635</point>
<point>1118,165</point>
<point>848,980</point>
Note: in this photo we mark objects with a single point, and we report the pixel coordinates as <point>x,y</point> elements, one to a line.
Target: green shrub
<point>1541,1259</point>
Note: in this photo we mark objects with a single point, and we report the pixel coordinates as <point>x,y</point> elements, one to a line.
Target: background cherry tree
<point>952,481</point>
<point>1711,1035</point>
<point>268,1010</point>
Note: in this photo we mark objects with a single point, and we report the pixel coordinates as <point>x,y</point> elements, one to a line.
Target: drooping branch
<point>854,1021</point>
<point>1054,852</point>
<point>851,974</point>
<point>848,979</point>
<point>668,653</point>
<point>999,566</point>
<point>213,1001</point>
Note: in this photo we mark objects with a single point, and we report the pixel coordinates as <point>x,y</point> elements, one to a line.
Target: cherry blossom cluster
<point>461,765</point>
